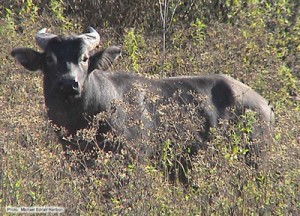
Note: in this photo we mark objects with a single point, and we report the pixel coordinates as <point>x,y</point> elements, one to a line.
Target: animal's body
<point>77,85</point>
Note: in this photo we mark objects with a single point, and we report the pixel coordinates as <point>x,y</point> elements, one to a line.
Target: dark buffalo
<point>78,85</point>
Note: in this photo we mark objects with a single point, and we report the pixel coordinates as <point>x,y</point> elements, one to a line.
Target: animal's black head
<point>66,61</point>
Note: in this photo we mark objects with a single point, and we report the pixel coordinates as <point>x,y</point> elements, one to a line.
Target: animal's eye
<point>84,59</point>
<point>49,59</point>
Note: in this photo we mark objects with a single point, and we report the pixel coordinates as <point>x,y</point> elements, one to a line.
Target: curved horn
<point>42,38</point>
<point>92,38</point>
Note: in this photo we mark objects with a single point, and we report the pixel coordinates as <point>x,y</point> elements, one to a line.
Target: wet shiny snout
<point>69,86</point>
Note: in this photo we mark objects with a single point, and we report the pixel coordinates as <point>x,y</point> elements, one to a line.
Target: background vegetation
<point>254,41</point>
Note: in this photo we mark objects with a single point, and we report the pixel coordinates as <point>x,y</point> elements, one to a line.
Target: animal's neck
<point>98,93</point>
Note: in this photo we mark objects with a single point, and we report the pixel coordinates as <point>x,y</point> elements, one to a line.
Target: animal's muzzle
<point>69,86</point>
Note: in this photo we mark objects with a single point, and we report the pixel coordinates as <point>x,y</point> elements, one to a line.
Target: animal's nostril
<point>61,85</point>
<point>69,86</point>
<point>68,82</point>
<point>75,85</point>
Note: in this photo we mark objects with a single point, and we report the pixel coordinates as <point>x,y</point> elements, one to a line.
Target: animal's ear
<point>104,59</point>
<point>28,58</point>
